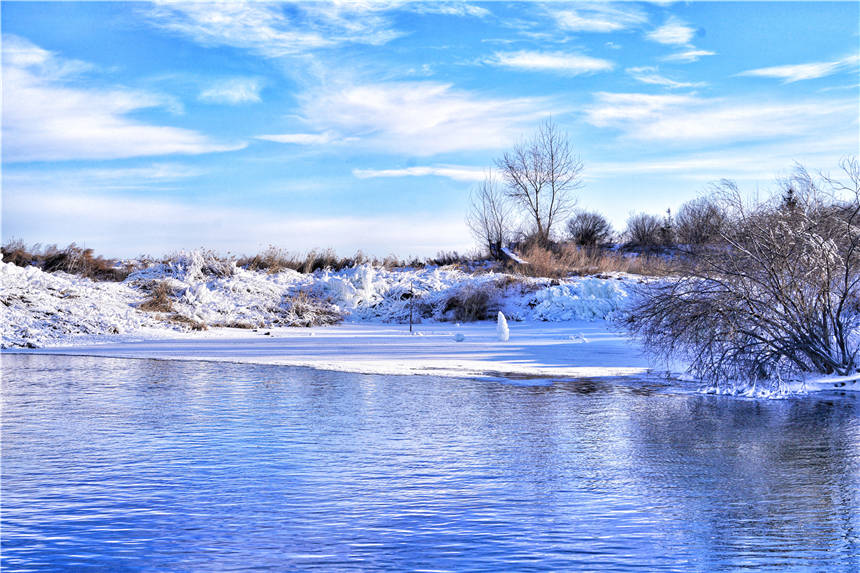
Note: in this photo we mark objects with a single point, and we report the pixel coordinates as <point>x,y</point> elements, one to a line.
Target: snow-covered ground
<point>572,349</point>
<point>556,328</point>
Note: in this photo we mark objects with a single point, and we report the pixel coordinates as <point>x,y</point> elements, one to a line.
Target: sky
<point>148,128</point>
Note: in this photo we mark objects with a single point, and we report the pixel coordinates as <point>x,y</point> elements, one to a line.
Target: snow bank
<point>38,308</point>
<point>41,308</point>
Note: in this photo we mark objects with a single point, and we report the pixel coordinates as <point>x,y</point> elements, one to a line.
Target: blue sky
<point>147,128</point>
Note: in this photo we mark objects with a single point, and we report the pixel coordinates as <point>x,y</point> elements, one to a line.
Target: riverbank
<point>572,349</point>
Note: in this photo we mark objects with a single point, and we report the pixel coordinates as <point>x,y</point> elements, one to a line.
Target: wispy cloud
<point>154,176</point>
<point>420,118</point>
<point>599,17</point>
<point>809,71</point>
<point>45,117</point>
<point>233,91</point>
<point>674,32</point>
<point>688,56</point>
<point>449,9</point>
<point>274,30</point>
<point>651,75</point>
<point>455,172</point>
<point>685,119</point>
<point>558,62</point>
<point>300,138</point>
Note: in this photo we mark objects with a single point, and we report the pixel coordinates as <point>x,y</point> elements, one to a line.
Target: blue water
<point>114,464</point>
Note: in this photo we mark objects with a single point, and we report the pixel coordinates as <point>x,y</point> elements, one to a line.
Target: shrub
<point>17,253</point>
<point>587,229</point>
<point>779,295</point>
<point>469,304</point>
<point>699,222</point>
<point>643,231</point>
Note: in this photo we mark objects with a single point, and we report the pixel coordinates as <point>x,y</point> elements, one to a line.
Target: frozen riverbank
<point>572,349</point>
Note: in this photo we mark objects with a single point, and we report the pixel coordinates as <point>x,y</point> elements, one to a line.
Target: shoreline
<point>575,349</point>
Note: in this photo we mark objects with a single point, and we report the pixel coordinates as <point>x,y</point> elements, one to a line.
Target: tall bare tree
<point>489,215</point>
<point>541,174</point>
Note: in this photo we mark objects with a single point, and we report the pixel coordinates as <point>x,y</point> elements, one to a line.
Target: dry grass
<point>471,303</point>
<point>73,259</point>
<point>305,309</point>
<point>187,322</point>
<point>569,260</point>
<point>160,297</point>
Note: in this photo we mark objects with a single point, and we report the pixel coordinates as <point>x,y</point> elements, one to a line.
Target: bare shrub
<point>589,229</point>
<point>779,295</point>
<point>643,231</point>
<point>699,222</point>
<point>469,304</point>
<point>489,216</point>
<point>15,251</point>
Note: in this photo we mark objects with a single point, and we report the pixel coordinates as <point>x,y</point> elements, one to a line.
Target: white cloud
<point>685,119</point>
<point>449,9</point>
<point>673,32</point>
<point>46,119</point>
<point>122,226</point>
<point>455,172</point>
<point>300,138</point>
<point>560,62</point>
<point>420,118</point>
<point>798,72</point>
<point>688,56</point>
<point>598,17</point>
<point>272,30</point>
<point>148,177</point>
<point>651,75</point>
<point>233,91</point>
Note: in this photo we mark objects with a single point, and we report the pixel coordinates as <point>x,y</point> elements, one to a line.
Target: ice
<point>502,331</point>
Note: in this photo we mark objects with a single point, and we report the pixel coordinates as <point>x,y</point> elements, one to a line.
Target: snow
<point>513,256</point>
<point>537,350</point>
<point>44,309</point>
<point>503,333</point>
<point>543,328</point>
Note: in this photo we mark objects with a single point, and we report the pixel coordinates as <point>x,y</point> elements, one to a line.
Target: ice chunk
<point>502,330</point>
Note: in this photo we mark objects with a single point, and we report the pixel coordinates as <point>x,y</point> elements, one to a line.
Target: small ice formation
<point>502,330</point>
<point>459,337</point>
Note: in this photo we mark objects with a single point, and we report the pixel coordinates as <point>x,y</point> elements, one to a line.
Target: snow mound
<point>41,308</point>
<point>585,299</point>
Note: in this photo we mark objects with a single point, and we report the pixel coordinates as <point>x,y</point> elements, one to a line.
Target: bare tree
<point>777,295</point>
<point>698,222</point>
<point>541,174</point>
<point>589,229</point>
<point>489,215</point>
<point>643,230</point>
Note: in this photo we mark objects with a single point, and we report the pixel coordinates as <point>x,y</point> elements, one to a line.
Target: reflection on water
<point>149,465</point>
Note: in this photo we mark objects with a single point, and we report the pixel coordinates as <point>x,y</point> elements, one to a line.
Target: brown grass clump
<point>471,303</point>
<point>305,309</point>
<point>160,297</point>
<point>569,260</point>
<point>187,322</point>
<point>73,259</point>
